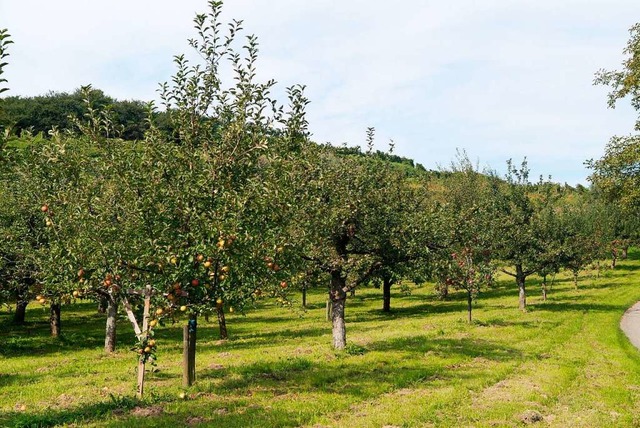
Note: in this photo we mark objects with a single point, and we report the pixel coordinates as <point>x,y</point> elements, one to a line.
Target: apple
<point>222,277</point>
<point>76,293</point>
<point>107,283</point>
<point>283,284</point>
<point>153,323</point>
<point>44,208</point>
<point>199,257</point>
<point>183,308</point>
<point>174,260</point>
<point>182,396</point>
<point>81,273</point>
<point>219,301</point>
<point>221,243</point>
<point>195,282</point>
<point>152,342</point>
<point>279,249</point>
<point>225,269</point>
<point>48,222</point>
<point>207,264</point>
<point>231,310</point>
<point>270,265</point>
<point>275,268</point>
<point>147,349</point>
<point>159,311</point>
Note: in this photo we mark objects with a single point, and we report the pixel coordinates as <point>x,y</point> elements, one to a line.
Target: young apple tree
<point>467,226</point>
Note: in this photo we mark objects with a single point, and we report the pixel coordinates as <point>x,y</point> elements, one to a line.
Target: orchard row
<point>236,204</point>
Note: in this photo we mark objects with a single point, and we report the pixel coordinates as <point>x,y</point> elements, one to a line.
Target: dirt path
<point>630,324</point>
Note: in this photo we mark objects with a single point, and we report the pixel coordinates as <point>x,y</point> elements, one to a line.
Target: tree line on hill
<point>223,200</point>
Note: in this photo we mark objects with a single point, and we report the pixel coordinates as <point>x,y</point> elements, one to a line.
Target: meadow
<point>565,362</point>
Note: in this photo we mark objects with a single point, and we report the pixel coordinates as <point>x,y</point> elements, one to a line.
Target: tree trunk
<point>193,327</point>
<point>222,323</point>
<point>338,300</point>
<point>22,299</point>
<point>352,293</point>
<point>443,289</point>
<point>304,297</point>
<point>386,295</point>
<point>54,319</point>
<point>625,252</point>
<point>544,287</point>
<point>469,304</point>
<point>21,310</point>
<point>328,308</point>
<point>522,294</point>
<point>575,279</point>
<point>110,331</point>
<point>614,259</point>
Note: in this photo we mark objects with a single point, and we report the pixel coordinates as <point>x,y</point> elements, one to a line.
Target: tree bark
<point>338,299</point>
<point>21,310</point>
<point>110,331</point>
<point>222,323</point>
<point>22,301</point>
<point>386,294</point>
<point>522,294</point>
<point>544,287</point>
<point>469,304</point>
<point>54,319</point>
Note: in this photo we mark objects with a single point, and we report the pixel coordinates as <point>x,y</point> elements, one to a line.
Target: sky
<point>501,79</point>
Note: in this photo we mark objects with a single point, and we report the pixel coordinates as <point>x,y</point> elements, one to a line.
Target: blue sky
<point>499,78</point>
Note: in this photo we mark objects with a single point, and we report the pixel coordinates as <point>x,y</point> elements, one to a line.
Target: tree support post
<point>189,352</point>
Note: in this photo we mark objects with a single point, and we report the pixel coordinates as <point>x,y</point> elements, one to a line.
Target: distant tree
<point>60,110</point>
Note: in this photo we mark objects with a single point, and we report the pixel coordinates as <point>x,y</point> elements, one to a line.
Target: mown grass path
<point>422,365</point>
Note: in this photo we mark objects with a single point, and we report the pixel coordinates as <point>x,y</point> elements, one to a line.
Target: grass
<point>420,366</point>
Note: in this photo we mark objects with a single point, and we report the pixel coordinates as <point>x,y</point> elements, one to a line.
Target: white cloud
<point>502,79</point>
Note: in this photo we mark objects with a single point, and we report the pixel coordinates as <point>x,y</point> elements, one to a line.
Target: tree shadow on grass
<point>580,307</point>
<point>354,375</point>
<point>55,417</point>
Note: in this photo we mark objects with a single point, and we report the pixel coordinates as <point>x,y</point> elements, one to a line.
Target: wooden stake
<point>185,356</point>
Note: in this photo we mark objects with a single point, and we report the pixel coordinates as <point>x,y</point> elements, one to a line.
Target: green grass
<point>422,365</point>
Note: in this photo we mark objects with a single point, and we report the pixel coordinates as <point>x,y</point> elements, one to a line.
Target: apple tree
<point>517,241</point>
<point>467,228</point>
<point>349,212</point>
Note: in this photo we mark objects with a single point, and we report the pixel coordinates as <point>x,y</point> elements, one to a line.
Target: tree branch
<point>508,273</point>
<point>368,274</point>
